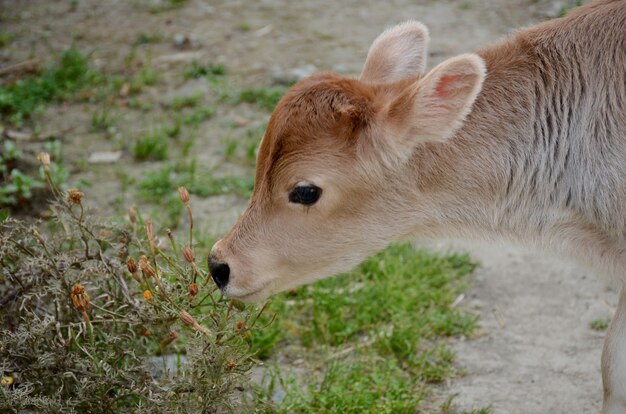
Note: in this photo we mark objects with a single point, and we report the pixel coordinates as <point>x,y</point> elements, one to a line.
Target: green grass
<point>599,324</point>
<point>181,102</point>
<point>165,181</point>
<point>146,76</point>
<point>23,99</point>
<point>264,98</point>
<point>160,186</point>
<point>364,386</point>
<point>199,115</point>
<point>144,38</point>
<point>102,121</point>
<point>5,38</point>
<point>386,319</point>
<point>243,148</point>
<point>210,71</point>
<point>153,145</point>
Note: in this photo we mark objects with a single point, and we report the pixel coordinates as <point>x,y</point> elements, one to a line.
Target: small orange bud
<point>240,326</point>
<point>193,291</point>
<point>143,331</point>
<point>44,159</point>
<point>147,295</point>
<point>74,195</point>
<point>183,194</point>
<point>188,253</point>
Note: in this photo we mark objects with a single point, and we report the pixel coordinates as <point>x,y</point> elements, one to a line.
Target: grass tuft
<point>264,98</point>
<point>381,324</point>
<point>153,145</point>
<point>21,100</point>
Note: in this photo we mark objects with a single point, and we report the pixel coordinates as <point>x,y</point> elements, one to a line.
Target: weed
<point>163,181</point>
<point>146,76</point>
<point>173,129</point>
<point>153,145</point>
<point>147,38</point>
<point>599,324</point>
<point>249,144</point>
<point>199,115</point>
<point>181,102</point>
<point>265,98</point>
<point>5,38</point>
<point>102,121</point>
<point>86,315</point>
<point>166,5</point>
<point>18,189</point>
<point>243,27</point>
<point>197,70</point>
<point>21,100</point>
<point>19,180</point>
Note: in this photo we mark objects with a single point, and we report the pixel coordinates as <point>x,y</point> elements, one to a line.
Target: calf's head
<point>336,179</point>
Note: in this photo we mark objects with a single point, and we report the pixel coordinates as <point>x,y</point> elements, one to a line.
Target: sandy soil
<point>536,353</point>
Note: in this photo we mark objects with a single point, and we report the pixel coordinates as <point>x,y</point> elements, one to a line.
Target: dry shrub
<point>91,313</point>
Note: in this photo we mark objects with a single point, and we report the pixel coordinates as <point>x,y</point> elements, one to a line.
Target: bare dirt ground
<point>536,353</point>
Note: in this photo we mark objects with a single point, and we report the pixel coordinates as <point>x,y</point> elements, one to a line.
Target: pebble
<point>104,157</point>
<point>290,76</point>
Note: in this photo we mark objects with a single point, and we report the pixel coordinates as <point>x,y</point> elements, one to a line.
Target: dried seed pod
<point>188,254</point>
<point>80,298</point>
<point>132,267</point>
<point>44,159</point>
<point>149,229</point>
<point>183,194</point>
<point>132,215</point>
<point>145,267</point>
<point>188,320</point>
<point>75,196</point>
<point>231,364</point>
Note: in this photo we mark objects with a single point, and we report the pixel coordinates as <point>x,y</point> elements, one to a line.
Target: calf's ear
<point>398,53</point>
<point>434,107</point>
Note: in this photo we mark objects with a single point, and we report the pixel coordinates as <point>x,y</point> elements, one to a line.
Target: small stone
<point>183,42</point>
<point>291,76</point>
<point>104,157</point>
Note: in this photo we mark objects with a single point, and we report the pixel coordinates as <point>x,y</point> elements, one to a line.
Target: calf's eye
<point>305,194</point>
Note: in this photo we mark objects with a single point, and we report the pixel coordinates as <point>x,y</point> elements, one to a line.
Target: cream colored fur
<point>524,141</point>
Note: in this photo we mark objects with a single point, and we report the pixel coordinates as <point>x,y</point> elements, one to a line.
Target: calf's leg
<point>614,361</point>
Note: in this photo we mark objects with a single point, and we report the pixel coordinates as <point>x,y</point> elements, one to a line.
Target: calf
<point>524,141</point>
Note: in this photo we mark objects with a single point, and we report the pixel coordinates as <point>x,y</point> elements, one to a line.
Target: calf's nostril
<point>220,272</point>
